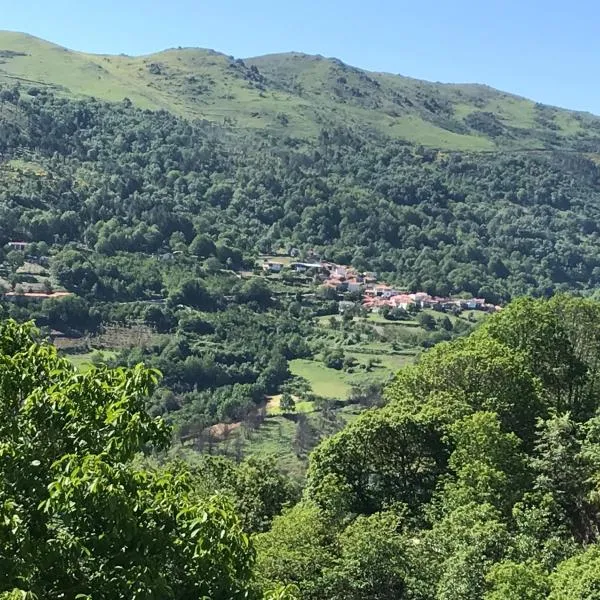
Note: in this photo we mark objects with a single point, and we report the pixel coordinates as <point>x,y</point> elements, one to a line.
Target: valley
<point>281,328</point>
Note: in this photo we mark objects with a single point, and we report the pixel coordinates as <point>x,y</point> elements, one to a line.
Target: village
<point>375,296</point>
<point>363,287</point>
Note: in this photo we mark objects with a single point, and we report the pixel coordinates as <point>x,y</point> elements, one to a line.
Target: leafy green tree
<point>541,533</point>
<point>578,577</point>
<point>297,550</point>
<point>256,486</point>
<point>526,581</point>
<point>480,371</point>
<point>427,321</point>
<point>334,358</point>
<point>275,373</point>
<point>202,246</point>
<point>194,323</point>
<point>382,457</point>
<point>79,519</point>
<point>367,394</point>
<point>262,491</point>
<point>192,292</point>
<point>397,314</point>
<point>283,592</point>
<point>446,323</point>
<point>452,559</point>
<point>371,562</point>
<point>287,403</point>
<point>73,270</point>
<point>15,259</point>
<point>213,264</point>
<point>177,242</point>
<point>488,464</point>
<point>158,318</point>
<point>563,471</point>
<point>70,312</point>
<point>559,340</point>
<point>256,290</point>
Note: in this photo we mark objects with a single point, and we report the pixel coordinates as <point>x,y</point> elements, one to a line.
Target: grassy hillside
<point>299,95</point>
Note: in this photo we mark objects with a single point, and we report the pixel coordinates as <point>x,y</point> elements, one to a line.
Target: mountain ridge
<point>270,55</point>
<point>299,95</point>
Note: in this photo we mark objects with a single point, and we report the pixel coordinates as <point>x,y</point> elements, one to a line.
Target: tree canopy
<point>79,518</point>
<point>483,464</point>
<point>119,179</point>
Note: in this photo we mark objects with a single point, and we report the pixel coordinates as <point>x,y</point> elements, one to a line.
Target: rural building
<point>272,267</point>
<point>305,266</point>
<point>354,285</point>
<point>20,246</point>
<point>474,303</point>
<point>385,291</point>
<point>402,301</point>
<point>340,271</point>
<point>335,284</point>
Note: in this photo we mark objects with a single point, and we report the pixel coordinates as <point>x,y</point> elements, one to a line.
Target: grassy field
<point>325,382</point>
<point>334,384</point>
<point>291,95</point>
<point>85,361</point>
<point>474,315</point>
<point>390,363</point>
<point>301,406</point>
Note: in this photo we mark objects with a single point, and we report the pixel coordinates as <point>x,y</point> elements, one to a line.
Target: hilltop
<point>297,95</point>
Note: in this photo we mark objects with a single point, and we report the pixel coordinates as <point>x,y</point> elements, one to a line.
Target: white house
<point>20,246</point>
<point>272,267</point>
<point>302,266</point>
<point>475,303</point>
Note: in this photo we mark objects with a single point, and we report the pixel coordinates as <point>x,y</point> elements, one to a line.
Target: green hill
<point>297,95</point>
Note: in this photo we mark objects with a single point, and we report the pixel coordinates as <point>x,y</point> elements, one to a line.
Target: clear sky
<point>547,50</point>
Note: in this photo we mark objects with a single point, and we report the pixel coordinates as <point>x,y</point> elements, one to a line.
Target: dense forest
<point>149,219</point>
<point>119,179</point>
<point>478,479</point>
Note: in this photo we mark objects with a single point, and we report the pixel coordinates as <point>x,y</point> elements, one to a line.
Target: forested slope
<point>120,179</point>
<point>478,480</point>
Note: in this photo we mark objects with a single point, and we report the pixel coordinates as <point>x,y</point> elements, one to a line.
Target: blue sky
<point>545,50</point>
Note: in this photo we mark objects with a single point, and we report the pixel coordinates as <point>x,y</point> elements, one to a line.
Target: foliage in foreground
<point>79,519</point>
<point>477,481</point>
